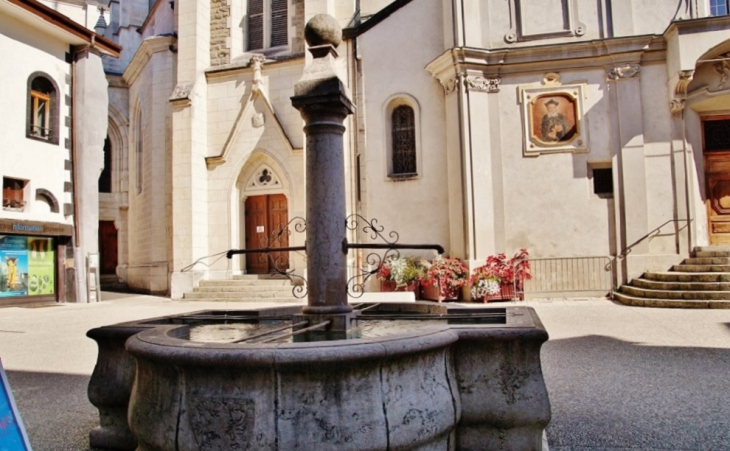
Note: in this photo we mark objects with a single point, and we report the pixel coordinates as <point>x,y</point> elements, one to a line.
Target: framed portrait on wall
<point>553,119</point>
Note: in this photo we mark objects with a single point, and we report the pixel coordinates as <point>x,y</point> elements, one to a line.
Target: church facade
<point>563,128</point>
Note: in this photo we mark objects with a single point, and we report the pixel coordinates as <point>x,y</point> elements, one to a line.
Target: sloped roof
<point>32,11</point>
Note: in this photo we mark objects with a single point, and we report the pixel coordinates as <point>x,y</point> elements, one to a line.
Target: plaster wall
<point>518,23</point>
<point>549,205</point>
<point>417,208</point>
<point>40,162</point>
<point>91,106</point>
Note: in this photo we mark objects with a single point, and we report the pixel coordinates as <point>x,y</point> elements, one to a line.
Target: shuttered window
<point>267,23</point>
<point>255,24</point>
<point>278,22</point>
<point>404,141</point>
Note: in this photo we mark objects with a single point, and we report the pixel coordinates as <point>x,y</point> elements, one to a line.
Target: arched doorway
<point>265,217</point>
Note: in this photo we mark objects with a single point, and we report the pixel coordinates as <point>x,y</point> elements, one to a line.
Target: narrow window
<point>13,194</point>
<point>404,141</point>
<point>255,24</point>
<point>603,182</point>
<point>138,152</point>
<point>718,7</point>
<point>278,22</point>
<point>267,24</point>
<point>105,179</point>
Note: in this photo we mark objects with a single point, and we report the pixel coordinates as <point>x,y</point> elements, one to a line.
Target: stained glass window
<point>404,141</point>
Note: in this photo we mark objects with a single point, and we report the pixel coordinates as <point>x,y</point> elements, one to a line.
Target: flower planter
<point>389,285</point>
<point>440,292</point>
<point>506,293</point>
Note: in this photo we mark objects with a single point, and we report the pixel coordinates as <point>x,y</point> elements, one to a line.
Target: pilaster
<point>624,85</point>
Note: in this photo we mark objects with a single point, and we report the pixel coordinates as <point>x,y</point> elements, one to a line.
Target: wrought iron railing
<point>589,275</point>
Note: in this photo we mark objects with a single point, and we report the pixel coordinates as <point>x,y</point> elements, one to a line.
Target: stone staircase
<point>701,281</point>
<point>245,288</point>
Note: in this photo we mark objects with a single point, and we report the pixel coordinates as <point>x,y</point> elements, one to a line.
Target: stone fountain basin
<point>442,387</point>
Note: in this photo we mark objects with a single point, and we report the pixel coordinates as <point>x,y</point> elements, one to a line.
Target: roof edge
<point>59,20</point>
<point>353,32</point>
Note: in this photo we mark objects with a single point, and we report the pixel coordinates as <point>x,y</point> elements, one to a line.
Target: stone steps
<point>244,288</point>
<point>700,281</point>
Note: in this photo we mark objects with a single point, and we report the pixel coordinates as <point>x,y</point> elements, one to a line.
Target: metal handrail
<point>651,234</point>
<point>200,260</point>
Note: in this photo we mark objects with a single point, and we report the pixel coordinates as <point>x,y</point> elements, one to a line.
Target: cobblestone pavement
<point>619,377</point>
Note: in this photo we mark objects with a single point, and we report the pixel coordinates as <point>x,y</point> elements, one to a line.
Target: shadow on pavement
<point>608,394</point>
<point>55,409</point>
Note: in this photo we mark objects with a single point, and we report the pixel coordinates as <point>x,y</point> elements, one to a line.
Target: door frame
<point>708,158</point>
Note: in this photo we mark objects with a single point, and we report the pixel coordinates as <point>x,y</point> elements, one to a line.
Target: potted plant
<point>401,274</point>
<point>500,277</point>
<point>443,280</point>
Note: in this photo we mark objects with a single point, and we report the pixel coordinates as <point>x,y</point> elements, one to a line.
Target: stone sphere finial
<point>323,29</point>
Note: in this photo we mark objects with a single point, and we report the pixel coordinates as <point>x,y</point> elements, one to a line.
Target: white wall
<point>40,162</point>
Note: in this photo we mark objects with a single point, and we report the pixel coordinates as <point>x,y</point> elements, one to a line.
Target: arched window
<point>267,23</point>
<point>105,179</point>
<point>42,117</point>
<point>139,155</point>
<point>403,129</point>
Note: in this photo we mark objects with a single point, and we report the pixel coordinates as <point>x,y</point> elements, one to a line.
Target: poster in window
<point>13,265</point>
<point>41,269</point>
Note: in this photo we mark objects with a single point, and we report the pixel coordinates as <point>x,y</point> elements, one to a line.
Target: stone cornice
<point>549,58</point>
<point>246,65</point>
<point>149,47</point>
<point>701,25</point>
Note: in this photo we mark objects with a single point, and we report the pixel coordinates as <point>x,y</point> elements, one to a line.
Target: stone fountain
<point>315,378</point>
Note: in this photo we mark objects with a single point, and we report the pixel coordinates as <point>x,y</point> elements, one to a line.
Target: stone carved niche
<point>542,19</point>
<point>263,178</point>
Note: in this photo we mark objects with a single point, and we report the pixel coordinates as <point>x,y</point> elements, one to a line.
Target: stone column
<point>324,103</point>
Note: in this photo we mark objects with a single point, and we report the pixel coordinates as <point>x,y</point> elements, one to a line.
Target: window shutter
<point>255,24</point>
<point>404,141</point>
<point>278,22</point>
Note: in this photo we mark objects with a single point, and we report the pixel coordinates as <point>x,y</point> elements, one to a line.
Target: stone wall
<point>220,51</point>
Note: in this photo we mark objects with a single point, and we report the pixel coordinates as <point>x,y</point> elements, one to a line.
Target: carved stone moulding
<point>483,84</point>
<point>622,71</point>
<point>543,20</point>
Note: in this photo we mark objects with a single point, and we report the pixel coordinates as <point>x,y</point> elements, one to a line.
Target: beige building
<point>572,129</point>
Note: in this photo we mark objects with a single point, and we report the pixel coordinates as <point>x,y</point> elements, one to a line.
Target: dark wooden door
<point>265,218</point>
<point>716,134</point>
<point>107,247</point>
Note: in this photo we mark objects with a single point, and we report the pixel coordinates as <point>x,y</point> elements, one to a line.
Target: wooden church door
<point>265,216</point>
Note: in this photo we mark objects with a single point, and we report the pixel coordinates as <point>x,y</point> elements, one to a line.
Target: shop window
<point>14,194</point>
<point>267,24</point>
<point>42,108</point>
<point>718,7</point>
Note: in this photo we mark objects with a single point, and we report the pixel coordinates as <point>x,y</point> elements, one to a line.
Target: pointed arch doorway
<point>265,216</point>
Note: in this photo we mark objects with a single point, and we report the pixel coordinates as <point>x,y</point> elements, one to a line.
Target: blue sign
<point>12,431</point>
